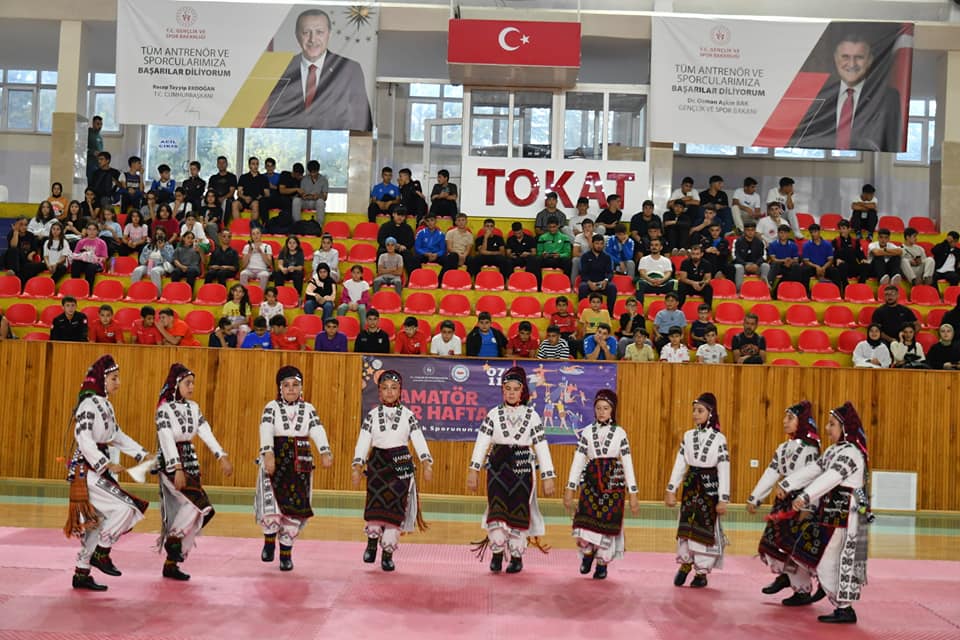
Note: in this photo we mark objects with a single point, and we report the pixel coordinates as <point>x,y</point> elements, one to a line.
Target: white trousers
<point>116,518</point>
<point>388,534</point>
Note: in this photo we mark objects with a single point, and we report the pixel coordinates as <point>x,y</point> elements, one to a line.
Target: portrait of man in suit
<point>856,108</point>
<point>319,89</point>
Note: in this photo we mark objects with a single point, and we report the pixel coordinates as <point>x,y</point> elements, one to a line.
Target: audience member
<point>105,181</point>
<point>163,186</point>
<point>600,345</point>
<point>630,320</point>
<point>641,221</point>
<point>640,350</point>
<point>237,308</point>
<point>211,214</point>
<point>145,329</point>
<point>224,336</point>
<point>784,194</point>
<point>180,207</point>
<point>431,246</point>
<point>818,260</point>
<point>872,353</point>
<point>567,323</point>
<point>286,338</point>
<point>224,263</point>
<point>700,326</point>
<point>891,315</point>
<point>257,260</point>
<point>488,251</point>
<point>716,251</point>
<point>89,256</point>
<point>383,196</point>
<point>848,255</point>
<point>355,295</point>
<point>746,203</point>
<point>884,258</point>
<point>863,216</point>
<point>166,222</point>
<point>952,317</point>
<point>749,347</point>
<point>906,352</point>
<point>314,189</point>
<point>582,245</point>
<point>694,277</point>
<point>289,194</point>
<point>156,261</point>
<point>915,266</point>
<point>105,330</point>
<point>946,353</point>
<point>521,250</point>
<point>73,223</point>
<point>39,224</point>
<point>593,316</point>
<point>111,232</point>
<point>675,351</point>
<point>331,338</point>
<point>446,342</point>
<point>460,240</point>
<point>485,340</point>
<point>655,273</point>
<point>607,219</point>
<point>596,273</point>
<point>576,222</point>
<point>259,338</point>
<point>56,199</point>
<point>56,252</point>
<point>321,292</point>
<point>329,255</point>
<point>749,255</point>
<point>69,326</point>
<point>550,210</point>
<point>677,223</point>
<point>946,256</point>
<point>372,339</point>
<point>396,227</point>
<point>251,187</point>
<point>784,257</point>
<point>174,330</point>
<point>711,351</point>
<point>690,198</point>
<point>443,197</point>
<point>668,317</point>
<point>194,187</point>
<point>23,252</point>
<point>523,345</point>
<point>186,260</point>
<point>224,184</point>
<point>94,144</point>
<point>389,268</point>
<point>555,249</point>
<point>136,235</point>
<point>620,248</point>
<point>150,210</point>
<point>290,265</point>
<point>714,199</point>
<point>553,347</point>
<point>410,340</point>
<point>411,195</point>
<point>768,227</point>
<point>271,307</point>
<point>133,187</point>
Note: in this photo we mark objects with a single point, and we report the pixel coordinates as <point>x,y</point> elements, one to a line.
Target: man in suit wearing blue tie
<point>319,89</point>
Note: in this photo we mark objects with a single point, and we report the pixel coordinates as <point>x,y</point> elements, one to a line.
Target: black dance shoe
<point>386,561</point>
<point>797,600</point>
<point>586,564</point>
<point>174,549</point>
<point>699,581</point>
<point>370,553</point>
<point>600,573</point>
<point>843,615</point>
<point>105,564</point>
<point>515,566</point>
<point>496,562</point>
<point>819,595</point>
<point>778,585</point>
<point>681,577</point>
<point>87,582</point>
<point>173,572</point>
<point>268,552</point>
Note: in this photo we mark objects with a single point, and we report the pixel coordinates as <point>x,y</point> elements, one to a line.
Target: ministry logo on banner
<point>452,397</point>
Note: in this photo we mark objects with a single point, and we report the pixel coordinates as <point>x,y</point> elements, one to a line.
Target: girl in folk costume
<point>392,504</point>
<point>780,534</point>
<point>833,544</point>
<point>702,468</point>
<point>516,433</point>
<point>185,508</point>
<point>100,511</point>
<point>603,470</point>
<point>285,483</point>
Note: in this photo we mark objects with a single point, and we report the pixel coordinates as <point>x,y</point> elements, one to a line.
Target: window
<point>165,145</point>
<point>490,119</point>
<point>806,154</point>
<point>27,100</point>
<point>331,150</point>
<point>213,142</point>
<point>710,149</point>
<point>101,100</point>
<point>532,122</point>
<point>921,132</point>
<point>286,146</point>
<point>732,151</point>
<point>429,101</point>
<point>625,128</point>
<point>583,126</point>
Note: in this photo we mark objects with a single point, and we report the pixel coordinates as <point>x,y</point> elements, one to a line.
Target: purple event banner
<point>451,396</point>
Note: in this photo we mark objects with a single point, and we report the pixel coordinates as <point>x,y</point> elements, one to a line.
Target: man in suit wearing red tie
<point>319,89</point>
<point>856,109</point>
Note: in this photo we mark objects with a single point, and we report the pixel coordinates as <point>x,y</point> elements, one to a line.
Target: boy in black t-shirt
<point>194,187</point>
<point>698,328</point>
<point>251,187</point>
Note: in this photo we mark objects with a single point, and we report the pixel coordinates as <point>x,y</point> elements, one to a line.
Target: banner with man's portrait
<point>762,83</point>
<point>246,64</point>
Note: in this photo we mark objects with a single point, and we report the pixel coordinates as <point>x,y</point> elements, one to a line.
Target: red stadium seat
<point>40,287</point>
<point>255,294</point>
<point>801,315</point>
<point>456,280</point>
<point>934,319</point>
<point>362,253</point>
<point>79,288</point>
<point>778,341</point>
<point>838,316</point>
<point>494,305</point>
<point>690,309</point>
<point>814,341</point>
<point>791,292</point>
<point>729,313</point>
<point>122,266</point>
<point>350,326</point>
<point>143,291</point>
<point>386,301</point>
<point>849,340</point>
<point>951,294</point>
<point>927,248</point>
<point>458,330</point>
<point>310,324</point>
<point>454,304</point>
<point>288,296</point>
<point>387,325</point>
<point>522,282</point>
<point>37,336</point>
<point>624,285</point>
<point>927,340</point>
<point>366,231</point>
<point>240,226</point>
<point>585,303</point>
<point>893,223</point>
<point>767,313</point>
<point>126,316</point>
<point>804,220</point>
<point>555,283</point>
<point>654,308</point>
<point>925,295</point>
<point>21,315</point>
<point>237,244</point>
<point>859,293</point>
<point>525,307</point>
<point>307,248</point>
<point>723,288</point>
<point>923,224</point>
<point>10,286</point>
<point>489,281</point>
<point>420,304</point>
<point>423,279</point>
<point>213,294</point>
<point>49,312</point>
<point>825,292</point>
<point>865,316</point>
<point>755,290</point>
<point>341,251</point>
<point>107,291</point>
<point>514,329</point>
<point>92,313</point>
<point>829,221</point>
<point>275,246</point>
<point>785,362</point>
<point>338,229</point>
<point>619,307</point>
<point>176,293</point>
<point>729,336</point>
<point>829,364</point>
<point>202,321</point>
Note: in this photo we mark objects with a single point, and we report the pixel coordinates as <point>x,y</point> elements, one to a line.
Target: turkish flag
<point>514,43</point>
